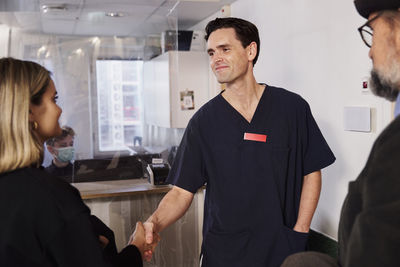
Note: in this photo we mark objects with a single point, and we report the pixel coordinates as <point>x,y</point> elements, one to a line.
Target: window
<point>119,104</point>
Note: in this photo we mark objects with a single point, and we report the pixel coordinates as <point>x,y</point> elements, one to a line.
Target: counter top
<point>90,190</point>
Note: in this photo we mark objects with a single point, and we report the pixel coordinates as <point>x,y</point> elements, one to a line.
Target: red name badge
<point>255,137</point>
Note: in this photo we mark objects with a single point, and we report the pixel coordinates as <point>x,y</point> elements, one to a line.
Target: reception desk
<point>120,204</point>
<point>118,188</point>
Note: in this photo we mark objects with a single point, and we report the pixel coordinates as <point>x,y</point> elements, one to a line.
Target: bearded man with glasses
<point>369,228</point>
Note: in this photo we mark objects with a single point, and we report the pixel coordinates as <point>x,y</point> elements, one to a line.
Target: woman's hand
<point>138,239</point>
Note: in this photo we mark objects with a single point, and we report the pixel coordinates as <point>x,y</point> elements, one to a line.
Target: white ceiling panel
<point>88,17</point>
<point>16,19</point>
<point>58,26</point>
<point>50,2</point>
<point>126,2</point>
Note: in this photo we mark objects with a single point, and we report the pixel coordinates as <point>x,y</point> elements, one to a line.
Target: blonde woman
<point>44,221</point>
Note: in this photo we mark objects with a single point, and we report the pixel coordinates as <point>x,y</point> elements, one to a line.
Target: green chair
<point>322,243</point>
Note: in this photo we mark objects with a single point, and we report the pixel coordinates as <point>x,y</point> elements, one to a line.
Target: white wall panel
<point>4,38</point>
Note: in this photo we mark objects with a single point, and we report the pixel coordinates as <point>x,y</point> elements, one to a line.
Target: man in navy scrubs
<point>369,228</point>
<point>258,150</point>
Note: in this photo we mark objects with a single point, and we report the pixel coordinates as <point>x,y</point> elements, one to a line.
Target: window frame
<point>94,109</point>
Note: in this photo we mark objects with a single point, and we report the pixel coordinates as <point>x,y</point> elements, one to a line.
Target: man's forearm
<point>172,207</point>
<point>308,201</point>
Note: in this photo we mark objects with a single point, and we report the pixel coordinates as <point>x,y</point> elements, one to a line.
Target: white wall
<point>312,47</point>
<point>4,37</point>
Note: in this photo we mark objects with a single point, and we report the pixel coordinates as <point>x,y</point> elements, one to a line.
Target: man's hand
<point>152,239</point>
<point>138,239</point>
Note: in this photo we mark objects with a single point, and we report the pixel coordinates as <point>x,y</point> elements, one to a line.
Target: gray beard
<point>383,87</point>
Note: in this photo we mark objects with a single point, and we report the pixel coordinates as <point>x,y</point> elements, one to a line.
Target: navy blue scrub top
<point>253,188</point>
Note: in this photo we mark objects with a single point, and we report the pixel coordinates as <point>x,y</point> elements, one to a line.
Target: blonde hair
<point>22,83</point>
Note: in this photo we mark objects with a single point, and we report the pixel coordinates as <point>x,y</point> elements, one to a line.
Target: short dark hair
<point>246,32</point>
<point>65,131</point>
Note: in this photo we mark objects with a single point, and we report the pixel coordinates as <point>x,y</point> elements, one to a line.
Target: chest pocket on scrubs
<point>276,159</point>
<point>271,161</point>
<point>265,170</point>
<point>280,160</point>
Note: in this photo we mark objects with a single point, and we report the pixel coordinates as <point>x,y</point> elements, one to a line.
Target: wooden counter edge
<point>127,191</point>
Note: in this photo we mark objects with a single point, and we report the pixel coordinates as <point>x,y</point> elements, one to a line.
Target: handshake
<point>145,239</point>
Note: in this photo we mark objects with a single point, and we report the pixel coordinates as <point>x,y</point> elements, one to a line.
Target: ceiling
<point>88,17</point>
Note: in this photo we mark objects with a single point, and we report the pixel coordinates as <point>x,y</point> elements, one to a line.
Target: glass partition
<point>99,80</point>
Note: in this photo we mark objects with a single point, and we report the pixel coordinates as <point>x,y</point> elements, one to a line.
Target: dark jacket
<point>369,229</point>
<point>64,172</point>
<point>44,222</point>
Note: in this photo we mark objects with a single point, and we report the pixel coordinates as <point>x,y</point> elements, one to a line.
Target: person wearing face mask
<point>62,149</point>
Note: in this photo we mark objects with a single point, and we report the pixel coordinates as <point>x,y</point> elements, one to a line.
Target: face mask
<point>65,154</point>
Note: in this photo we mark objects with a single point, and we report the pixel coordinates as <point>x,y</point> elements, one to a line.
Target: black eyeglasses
<point>366,35</point>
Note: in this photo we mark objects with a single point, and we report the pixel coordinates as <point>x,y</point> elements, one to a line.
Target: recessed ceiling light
<point>55,7</point>
<point>115,14</point>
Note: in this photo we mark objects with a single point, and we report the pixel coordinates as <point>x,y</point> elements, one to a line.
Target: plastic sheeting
<point>180,243</point>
